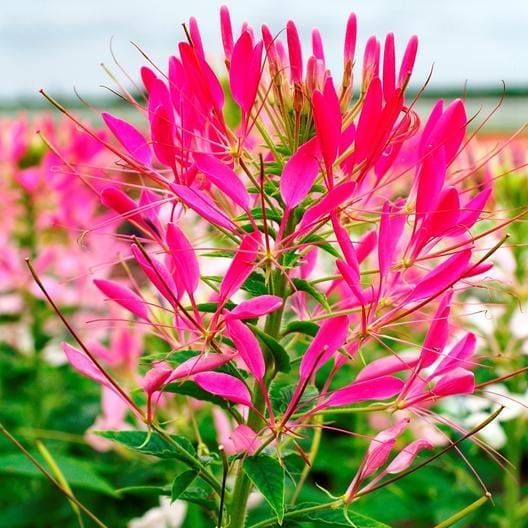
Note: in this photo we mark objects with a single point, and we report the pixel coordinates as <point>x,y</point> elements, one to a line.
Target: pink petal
<point>458,355</point>
<point>350,39</point>
<point>299,174</point>
<point>203,205</point>
<point>245,71</point>
<point>155,378</point>
<point>130,137</point>
<point>438,333</point>
<point>225,386</point>
<point>327,118</point>
<point>184,257</point>
<point>245,440</point>
<point>442,277</point>
<point>331,201</point>
<point>390,231</point>
<point>247,346</point>
<point>406,456</point>
<point>407,63</point>
<point>163,136</point>
<point>457,381</point>
<point>224,178</point>
<point>197,364</point>
<point>294,52</point>
<point>372,389</point>
<point>227,32</point>
<point>256,307</point>
<point>83,364</point>
<point>123,296</point>
<point>330,336</point>
<point>387,365</point>
<point>241,266</point>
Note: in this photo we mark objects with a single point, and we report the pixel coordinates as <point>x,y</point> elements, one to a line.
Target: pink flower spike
<point>330,336</point>
<point>256,307</point>
<point>248,347</point>
<point>227,32</point>
<point>184,258</point>
<point>241,266</point>
<point>225,386</point>
<point>224,178</point>
<point>371,389</point>
<point>123,296</point>
<point>299,174</point>
<point>130,137</point>
<point>327,118</point>
<point>294,53</point>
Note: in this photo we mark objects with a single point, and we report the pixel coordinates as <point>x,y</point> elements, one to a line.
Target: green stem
<point>464,513</point>
<point>238,506</point>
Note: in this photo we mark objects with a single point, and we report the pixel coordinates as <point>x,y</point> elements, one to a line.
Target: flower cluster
<point>293,234</point>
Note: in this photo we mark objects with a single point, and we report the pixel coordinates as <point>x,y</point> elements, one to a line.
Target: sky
<point>59,44</point>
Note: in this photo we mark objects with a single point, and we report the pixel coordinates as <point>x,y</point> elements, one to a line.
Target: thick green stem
<point>238,506</point>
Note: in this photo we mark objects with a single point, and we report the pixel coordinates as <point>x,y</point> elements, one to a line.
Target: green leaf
<point>281,396</point>
<point>78,473</point>
<point>320,242</point>
<point>255,285</point>
<point>153,444</point>
<point>302,327</point>
<point>198,496</point>
<point>212,307</point>
<point>282,360</point>
<point>268,477</point>
<point>305,286</point>
<point>181,483</point>
<point>336,517</point>
<point>189,388</point>
<point>143,490</point>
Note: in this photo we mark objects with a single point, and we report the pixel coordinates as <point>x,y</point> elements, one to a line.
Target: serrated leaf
<point>282,360</point>
<point>153,444</point>
<point>302,327</point>
<point>78,473</point>
<point>305,286</point>
<point>267,475</point>
<point>181,483</point>
<point>189,388</point>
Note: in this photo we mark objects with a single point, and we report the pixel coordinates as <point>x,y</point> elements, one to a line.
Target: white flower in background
<point>166,515</point>
<point>471,411</point>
